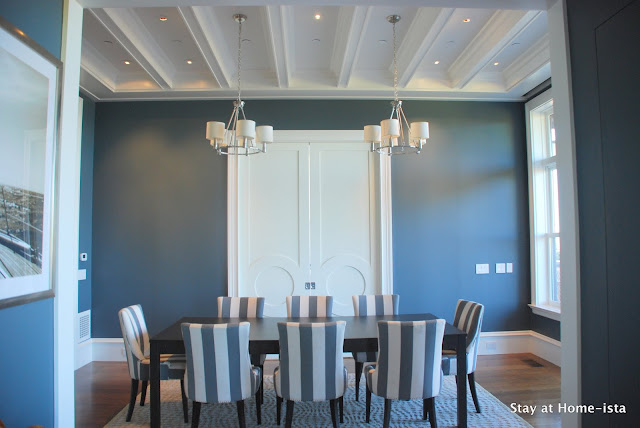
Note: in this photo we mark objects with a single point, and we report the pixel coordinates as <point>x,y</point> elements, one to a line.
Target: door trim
<point>311,136</point>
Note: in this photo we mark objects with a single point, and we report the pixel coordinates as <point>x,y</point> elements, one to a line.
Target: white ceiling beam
<point>469,4</point>
<point>422,33</point>
<point>202,24</point>
<point>346,47</point>
<point>278,23</point>
<point>532,60</point>
<point>94,63</point>
<point>131,33</point>
<point>497,34</point>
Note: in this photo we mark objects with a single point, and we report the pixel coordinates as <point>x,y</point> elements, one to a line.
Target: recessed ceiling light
<point>451,43</point>
<point>164,18</point>
<point>466,20</point>
<point>189,62</point>
<point>515,43</point>
<point>496,63</point>
<point>436,62</point>
<point>126,62</point>
<point>317,16</point>
<point>109,42</point>
<point>382,42</point>
<point>246,40</point>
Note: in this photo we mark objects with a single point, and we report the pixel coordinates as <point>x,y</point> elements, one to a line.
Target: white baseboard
<point>496,342</point>
<point>517,342</point>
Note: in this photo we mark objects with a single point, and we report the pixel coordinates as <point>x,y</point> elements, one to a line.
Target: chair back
<point>218,364</point>
<point>135,337</point>
<point>409,359</point>
<point>311,363</point>
<point>240,307</point>
<point>379,304</point>
<point>309,306</point>
<point>468,318</point>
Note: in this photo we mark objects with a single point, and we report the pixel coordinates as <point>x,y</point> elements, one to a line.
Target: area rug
<point>404,413</point>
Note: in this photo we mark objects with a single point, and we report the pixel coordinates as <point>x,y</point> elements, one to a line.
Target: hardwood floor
<point>102,388</point>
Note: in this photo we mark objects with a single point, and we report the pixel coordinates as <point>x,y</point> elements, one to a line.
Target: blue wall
<point>26,391</point>
<point>86,201</point>
<point>464,201</point>
<point>159,230</point>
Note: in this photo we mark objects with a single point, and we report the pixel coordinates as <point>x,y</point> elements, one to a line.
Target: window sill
<point>546,311</point>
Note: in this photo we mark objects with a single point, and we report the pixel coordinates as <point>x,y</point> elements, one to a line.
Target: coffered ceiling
<point>187,50</point>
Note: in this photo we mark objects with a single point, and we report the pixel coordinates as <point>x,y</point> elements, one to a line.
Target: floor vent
<point>84,326</point>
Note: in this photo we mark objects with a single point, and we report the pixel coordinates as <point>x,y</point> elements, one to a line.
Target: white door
<point>308,212</point>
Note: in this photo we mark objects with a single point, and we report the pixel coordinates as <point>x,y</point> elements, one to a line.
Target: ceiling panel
<point>314,38</point>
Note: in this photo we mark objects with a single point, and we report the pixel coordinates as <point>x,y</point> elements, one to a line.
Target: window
<point>544,208</point>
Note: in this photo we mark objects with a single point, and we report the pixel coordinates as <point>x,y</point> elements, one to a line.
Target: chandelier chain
<point>239,54</point>
<point>395,65</point>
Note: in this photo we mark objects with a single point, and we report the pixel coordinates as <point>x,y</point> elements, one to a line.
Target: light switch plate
<point>482,268</point>
<point>83,257</point>
<point>509,267</point>
<point>500,268</point>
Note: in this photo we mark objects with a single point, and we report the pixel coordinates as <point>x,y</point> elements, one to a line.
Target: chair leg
<point>387,413</point>
<point>432,413</point>
<point>358,374</point>
<point>368,412</point>
<point>278,409</point>
<point>289,420</point>
<point>143,392</point>
<point>195,414</point>
<point>474,395</point>
<point>185,402</point>
<point>258,407</point>
<point>334,416</point>
<point>132,398</point>
<point>342,409</point>
<point>261,384</point>
<point>425,408</point>
<point>241,420</point>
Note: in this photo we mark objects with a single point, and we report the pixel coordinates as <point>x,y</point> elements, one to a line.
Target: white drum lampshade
<point>420,130</point>
<point>264,134</point>
<point>372,134</point>
<point>390,128</point>
<point>215,130</point>
<point>246,129</point>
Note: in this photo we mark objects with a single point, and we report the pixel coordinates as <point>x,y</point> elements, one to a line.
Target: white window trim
<point>540,302</point>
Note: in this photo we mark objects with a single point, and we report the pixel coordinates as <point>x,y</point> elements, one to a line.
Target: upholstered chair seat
<point>468,317</point>
<point>311,366</point>
<point>401,375</point>
<point>219,367</point>
<point>371,305</point>
<point>137,350</point>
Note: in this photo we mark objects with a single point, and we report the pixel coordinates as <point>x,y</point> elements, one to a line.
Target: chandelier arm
<point>406,123</point>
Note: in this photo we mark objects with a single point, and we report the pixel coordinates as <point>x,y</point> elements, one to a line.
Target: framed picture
<point>29,109</point>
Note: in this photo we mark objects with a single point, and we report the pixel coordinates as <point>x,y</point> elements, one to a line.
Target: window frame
<point>540,164</point>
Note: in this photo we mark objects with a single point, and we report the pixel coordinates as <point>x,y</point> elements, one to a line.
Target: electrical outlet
<point>482,269</point>
<point>509,267</point>
<point>307,286</point>
<point>500,268</point>
<point>313,285</point>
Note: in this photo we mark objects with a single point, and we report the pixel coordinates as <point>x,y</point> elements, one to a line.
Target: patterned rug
<point>404,413</point>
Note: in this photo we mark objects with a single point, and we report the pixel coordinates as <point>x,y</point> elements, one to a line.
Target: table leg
<point>154,374</point>
<point>461,356</point>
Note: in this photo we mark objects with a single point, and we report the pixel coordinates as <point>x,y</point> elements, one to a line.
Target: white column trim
<point>571,390</point>
<point>232,226</point>
<point>67,220</point>
<point>386,227</point>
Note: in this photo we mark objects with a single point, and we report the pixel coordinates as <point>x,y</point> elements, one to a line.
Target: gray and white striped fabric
<point>408,366</point>
<point>379,304</point>
<point>218,365</point>
<point>311,365</point>
<point>468,317</point>
<point>136,345</point>
<point>240,307</point>
<point>309,306</point>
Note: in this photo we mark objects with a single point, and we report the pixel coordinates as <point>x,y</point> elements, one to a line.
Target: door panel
<point>343,216</point>
<point>308,213</point>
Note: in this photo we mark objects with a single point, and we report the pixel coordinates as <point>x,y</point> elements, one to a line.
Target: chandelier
<point>240,136</point>
<point>394,136</point>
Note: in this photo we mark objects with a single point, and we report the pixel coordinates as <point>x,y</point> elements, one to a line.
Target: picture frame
<point>30,81</point>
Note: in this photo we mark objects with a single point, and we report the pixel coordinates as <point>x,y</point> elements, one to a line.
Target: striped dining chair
<point>311,366</point>
<point>309,306</point>
<point>245,307</point>
<point>468,317</point>
<point>408,366</point>
<point>379,304</point>
<point>136,345</point>
<point>219,368</point>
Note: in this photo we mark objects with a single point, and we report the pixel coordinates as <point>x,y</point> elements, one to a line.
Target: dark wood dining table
<point>361,334</point>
